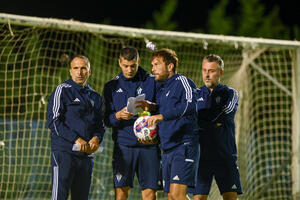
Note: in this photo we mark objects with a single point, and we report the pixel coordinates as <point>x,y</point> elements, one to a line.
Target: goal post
<point>34,59</point>
<point>296,127</point>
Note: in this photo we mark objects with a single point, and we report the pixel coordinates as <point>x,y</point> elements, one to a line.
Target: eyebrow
<point>80,66</point>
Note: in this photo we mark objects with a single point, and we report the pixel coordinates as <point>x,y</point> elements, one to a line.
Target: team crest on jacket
<point>139,91</point>
<point>118,176</point>
<point>218,100</point>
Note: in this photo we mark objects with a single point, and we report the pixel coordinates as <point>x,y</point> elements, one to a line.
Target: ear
<point>170,67</point>
<point>221,72</point>
<point>139,61</point>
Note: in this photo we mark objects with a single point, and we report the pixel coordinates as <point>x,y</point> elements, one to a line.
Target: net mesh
<point>33,61</point>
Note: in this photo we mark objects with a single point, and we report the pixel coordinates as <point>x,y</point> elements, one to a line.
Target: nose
<point>206,74</point>
<point>153,69</point>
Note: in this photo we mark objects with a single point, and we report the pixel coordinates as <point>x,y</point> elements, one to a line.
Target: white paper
<point>132,103</point>
<point>76,148</point>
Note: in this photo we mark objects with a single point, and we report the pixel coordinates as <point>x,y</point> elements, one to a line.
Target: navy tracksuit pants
<point>70,172</point>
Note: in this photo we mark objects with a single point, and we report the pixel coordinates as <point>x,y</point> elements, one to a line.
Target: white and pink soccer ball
<point>141,129</point>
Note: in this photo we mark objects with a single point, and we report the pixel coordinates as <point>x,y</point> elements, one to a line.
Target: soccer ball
<point>141,129</point>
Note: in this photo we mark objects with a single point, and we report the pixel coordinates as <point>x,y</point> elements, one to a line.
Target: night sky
<point>190,15</point>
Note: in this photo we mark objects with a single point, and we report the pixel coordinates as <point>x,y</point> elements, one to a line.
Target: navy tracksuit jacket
<point>116,93</point>
<point>216,111</point>
<point>74,111</point>
<point>177,104</point>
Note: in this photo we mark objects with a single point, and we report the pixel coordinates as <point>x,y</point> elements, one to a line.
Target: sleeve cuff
<point>113,120</point>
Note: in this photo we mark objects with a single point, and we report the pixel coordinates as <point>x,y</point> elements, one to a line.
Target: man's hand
<point>152,141</point>
<point>154,119</point>
<point>123,114</point>
<point>94,144</point>
<point>147,106</point>
<point>83,145</point>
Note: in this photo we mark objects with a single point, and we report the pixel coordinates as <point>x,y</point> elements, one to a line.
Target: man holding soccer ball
<point>177,121</point>
<point>130,156</point>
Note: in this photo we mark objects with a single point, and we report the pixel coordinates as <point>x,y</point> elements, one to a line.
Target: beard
<point>211,83</point>
<point>161,77</point>
<point>208,84</point>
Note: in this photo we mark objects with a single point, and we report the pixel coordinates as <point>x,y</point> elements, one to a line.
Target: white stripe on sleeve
<point>188,92</point>
<point>232,103</point>
<point>56,103</point>
<point>187,87</point>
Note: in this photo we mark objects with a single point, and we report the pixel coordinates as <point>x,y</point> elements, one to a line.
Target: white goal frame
<point>187,37</point>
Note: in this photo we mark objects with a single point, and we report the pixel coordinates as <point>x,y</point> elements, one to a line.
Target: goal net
<point>34,59</point>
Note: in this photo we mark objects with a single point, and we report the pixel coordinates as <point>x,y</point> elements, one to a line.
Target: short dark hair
<point>84,58</point>
<point>168,55</point>
<point>129,53</point>
<point>215,58</point>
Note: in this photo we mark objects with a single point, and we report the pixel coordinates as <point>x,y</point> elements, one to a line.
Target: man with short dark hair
<point>130,156</point>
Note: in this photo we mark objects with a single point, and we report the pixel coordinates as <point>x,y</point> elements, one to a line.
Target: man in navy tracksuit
<point>74,117</point>
<point>177,121</point>
<point>131,156</point>
<point>217,105</point>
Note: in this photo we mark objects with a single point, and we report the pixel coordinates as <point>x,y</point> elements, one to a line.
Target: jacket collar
<point>78,87</point>
<point>167,82</point>
<point>215,89</point>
